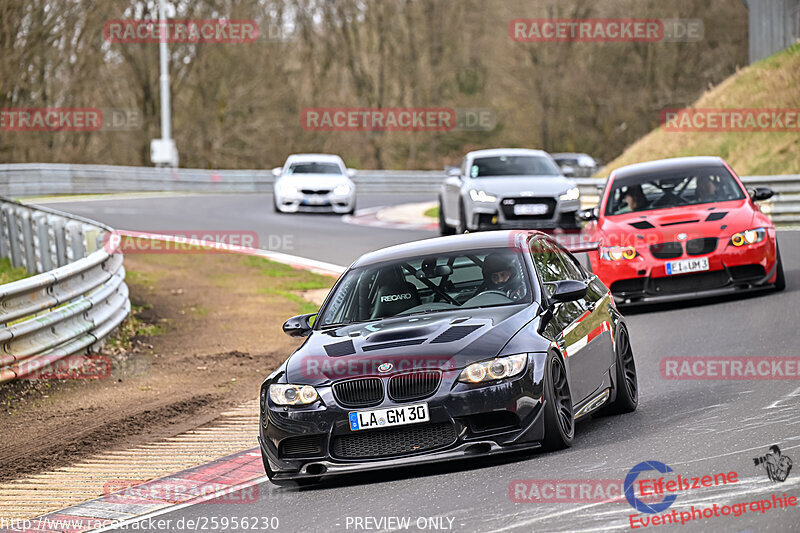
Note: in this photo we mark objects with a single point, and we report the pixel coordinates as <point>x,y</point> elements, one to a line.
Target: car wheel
<point>559,420</point>
<point>275,204</point>
<point>626,382</point>
<point>462,218</point>
<point>780,279</point>
<point>444,229</point>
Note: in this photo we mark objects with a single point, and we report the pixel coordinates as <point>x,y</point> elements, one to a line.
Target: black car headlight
<point>292,394</point>
<point>494,369</point>
<point>750,236</point>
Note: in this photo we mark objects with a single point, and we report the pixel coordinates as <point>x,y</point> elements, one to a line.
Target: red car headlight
<point>617,253</point>
<point>750,236</point>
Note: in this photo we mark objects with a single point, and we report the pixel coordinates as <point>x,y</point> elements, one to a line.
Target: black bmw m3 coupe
<point>442,349</point>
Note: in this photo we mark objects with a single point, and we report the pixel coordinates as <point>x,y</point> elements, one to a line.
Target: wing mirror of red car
<point>761,193</point>
<point>586,215</point>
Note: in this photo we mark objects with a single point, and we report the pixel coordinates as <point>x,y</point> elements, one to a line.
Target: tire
<point>462,218</point>
<point>780,279</point>
<point>559,420</point>
<point>444,229</point>
<point>627,382</point>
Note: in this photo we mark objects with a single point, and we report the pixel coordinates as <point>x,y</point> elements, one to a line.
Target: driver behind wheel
<point>501,273</point>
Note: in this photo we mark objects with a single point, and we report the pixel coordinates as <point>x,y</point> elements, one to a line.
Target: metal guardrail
<point>36,179</point>
<point>77,298</point>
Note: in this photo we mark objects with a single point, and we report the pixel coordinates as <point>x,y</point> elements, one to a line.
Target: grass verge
<point>773,83</point>
<point>9,273</point>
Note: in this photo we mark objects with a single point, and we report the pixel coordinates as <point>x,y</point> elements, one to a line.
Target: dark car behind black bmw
<point>442,349</point>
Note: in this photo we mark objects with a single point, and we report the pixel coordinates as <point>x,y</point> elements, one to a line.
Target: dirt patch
<point>208,331</point>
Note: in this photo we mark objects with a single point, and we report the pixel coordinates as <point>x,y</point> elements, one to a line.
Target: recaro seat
<point>395,298</point>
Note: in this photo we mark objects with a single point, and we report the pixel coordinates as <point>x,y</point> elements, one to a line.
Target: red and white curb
<point>370,217</point>
<point>312,265</point>
<point>231,479</point>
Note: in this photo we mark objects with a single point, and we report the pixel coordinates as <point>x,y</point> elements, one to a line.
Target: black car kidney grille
<point>701,246</point>
<point>509,203</point>
<point>666,250</point>
<point>316,191</point>
<point>414,385</point>
<point>359,392</point>
<point>397,441</point>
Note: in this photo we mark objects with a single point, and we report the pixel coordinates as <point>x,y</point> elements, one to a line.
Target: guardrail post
<point>27,241</point>
<point>5,249</point>
<point>75,231</point>
<point>60,237</point>
<point>44,248</point>
<point>13,236</point>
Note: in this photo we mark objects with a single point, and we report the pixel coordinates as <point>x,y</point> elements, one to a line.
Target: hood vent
<point>340,348</point>
<point>678,223</point>
<point>719,215</point>
<point>396,344</point>
<point>642,224</point>
<point>455,333</point>
<point>397,334</point>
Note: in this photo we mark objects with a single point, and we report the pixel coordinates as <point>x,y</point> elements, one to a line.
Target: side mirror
<point>453,172</point>
<point>568,290</point>
<point>761,193</point>
<point>586,215</point>
<point>298,326</point>
<point>351,172</point>
<point>277,171</point>
<point>568,171</point>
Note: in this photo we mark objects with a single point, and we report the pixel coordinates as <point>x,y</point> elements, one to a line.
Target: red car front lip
<point>727,256</point>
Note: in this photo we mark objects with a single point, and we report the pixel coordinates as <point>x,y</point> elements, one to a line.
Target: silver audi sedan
<point>314,183</point>
<point>507,188</point>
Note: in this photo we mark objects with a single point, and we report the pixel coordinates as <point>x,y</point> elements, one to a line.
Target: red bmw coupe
<point>682,227</point>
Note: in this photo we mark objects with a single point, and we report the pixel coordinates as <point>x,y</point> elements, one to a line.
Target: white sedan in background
<point>314,183</point>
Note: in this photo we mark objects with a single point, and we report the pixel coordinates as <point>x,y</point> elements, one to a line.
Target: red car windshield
<point>672,189</point>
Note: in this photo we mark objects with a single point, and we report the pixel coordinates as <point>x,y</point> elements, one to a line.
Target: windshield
<point>513,165</point>
<point>462,280</point>
<point>672,189</point>
<point>314,168</point>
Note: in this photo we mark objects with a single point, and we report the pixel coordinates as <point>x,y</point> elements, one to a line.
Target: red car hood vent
<point>719,215</point>
<point>677,223</point>
<point>642,224</point>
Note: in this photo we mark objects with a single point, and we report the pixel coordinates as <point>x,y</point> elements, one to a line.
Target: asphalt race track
<point>697,427</point>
